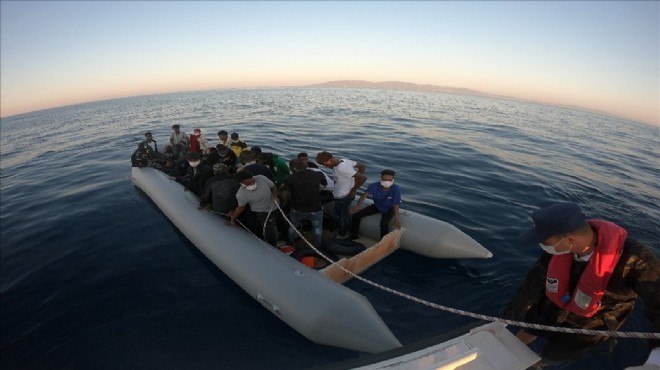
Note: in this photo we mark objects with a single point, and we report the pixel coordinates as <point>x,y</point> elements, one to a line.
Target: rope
<point>606,333</point>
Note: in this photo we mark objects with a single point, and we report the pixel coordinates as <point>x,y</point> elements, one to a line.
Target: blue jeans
<point>316,218</point>
<point>342,213</point>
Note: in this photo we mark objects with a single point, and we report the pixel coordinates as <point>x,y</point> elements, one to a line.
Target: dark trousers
<point>372,210</point>
<point>342,213</point>
<point>270,234</point>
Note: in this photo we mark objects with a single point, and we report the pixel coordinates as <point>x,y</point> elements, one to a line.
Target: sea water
<point>94,276</point>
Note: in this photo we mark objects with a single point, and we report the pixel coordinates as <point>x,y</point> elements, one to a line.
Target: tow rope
<point>605,333</point>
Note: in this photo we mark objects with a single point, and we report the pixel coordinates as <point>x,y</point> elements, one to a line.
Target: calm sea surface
<point>94,276</point>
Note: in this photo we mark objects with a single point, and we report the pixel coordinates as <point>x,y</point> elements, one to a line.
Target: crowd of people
<point>589,277</point>
<point>244,184</point>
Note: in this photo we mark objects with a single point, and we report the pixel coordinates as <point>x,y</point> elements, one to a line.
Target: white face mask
<point>234,141</point>
<point>551,249</point>
<point>386,184</point>
<point>252,187</point>
<point>194,164</point>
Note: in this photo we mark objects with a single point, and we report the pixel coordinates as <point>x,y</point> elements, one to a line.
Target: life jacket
<point>585,300</point>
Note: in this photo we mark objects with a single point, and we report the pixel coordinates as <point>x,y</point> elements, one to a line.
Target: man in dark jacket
<point>589,278</point>
<point>220,191</point>
<point>197,174</point>
<point>305,187</point>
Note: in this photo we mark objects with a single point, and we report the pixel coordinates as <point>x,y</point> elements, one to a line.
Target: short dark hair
<point>176,126</point>
<point>222,132</point>
<point>302,155</point>
<point>297,164</point>
<point>243,175</point>
<point>387,172</point>
<point>234,135</point>
<point>246,156</point>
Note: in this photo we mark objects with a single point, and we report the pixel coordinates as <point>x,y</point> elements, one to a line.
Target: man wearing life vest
<point>589,277</point>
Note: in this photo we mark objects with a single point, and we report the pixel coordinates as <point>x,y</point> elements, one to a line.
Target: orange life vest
<point>585,300</point>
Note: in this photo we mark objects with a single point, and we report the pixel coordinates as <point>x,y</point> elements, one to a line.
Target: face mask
<point>551,249</point>
<point>251,187</point>
<point>386,184</point>
<point>234,141</point>
<point>194,164</point>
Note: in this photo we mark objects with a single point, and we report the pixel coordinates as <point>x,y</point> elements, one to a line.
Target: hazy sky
<point>601,55</point>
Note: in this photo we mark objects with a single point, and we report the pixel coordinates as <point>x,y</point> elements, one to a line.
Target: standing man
<point>588,278</point>
<point>347,181</point>
<point>179,142</point>
<point>387,198</point>
<point>223,136</point>
<point>150,144</point>
<point>304,185</point>
<point>260,193</point>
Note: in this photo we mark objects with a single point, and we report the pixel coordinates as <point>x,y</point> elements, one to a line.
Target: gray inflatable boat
<point>319,308</point>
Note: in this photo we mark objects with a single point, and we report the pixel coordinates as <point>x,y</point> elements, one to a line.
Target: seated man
<point>197,174</point>
<point>387,198</point>
<point>220,191</point>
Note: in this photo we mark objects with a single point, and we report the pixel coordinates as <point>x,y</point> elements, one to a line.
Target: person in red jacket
<point>589,278</point>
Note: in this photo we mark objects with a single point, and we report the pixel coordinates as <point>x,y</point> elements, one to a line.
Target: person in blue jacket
<point>387,199</point>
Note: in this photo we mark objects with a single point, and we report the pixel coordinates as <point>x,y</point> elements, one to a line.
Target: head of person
<point>246,156</point>
<point>297,164</point>
<point>148,136</point>
<point>246,179</point>
<point>193,159</point>
<point>266,159</point>
<point>326,159</point>
<point>222,136</point>
<point>219,168</point>
<point>386,178</point>
<point>303,157</point>
<point>256,150</point>
<point>222,150</point>
<point>559,228</point>
<point>197,132</point>
<point>176,128</point>
<point>234,137</point>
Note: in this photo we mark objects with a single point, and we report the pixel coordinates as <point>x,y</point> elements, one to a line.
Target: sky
<point>600,55</point>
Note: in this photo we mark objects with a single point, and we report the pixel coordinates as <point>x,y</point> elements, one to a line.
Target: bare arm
<point>359,180</point>
<point>397,224</point>
<point>234,215</point>
<point>359,202</point>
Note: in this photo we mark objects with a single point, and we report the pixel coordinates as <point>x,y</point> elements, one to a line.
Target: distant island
<point>398,85</point>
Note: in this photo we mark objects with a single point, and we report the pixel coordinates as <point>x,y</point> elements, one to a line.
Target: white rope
<point>606,333</point>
